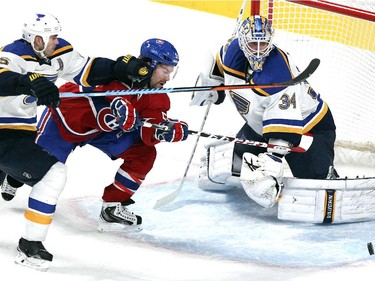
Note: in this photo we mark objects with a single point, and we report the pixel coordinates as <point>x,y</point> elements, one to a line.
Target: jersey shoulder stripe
<point>234,62</point>
<point>62,48</point>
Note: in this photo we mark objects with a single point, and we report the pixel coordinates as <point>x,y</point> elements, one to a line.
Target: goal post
<point>341,33</point>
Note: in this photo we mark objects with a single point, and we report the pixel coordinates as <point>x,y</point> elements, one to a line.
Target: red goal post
<point>341,33</point>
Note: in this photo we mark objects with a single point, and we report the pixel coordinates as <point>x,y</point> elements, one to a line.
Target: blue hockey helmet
<point>255,39</point>
<point>159,51</point>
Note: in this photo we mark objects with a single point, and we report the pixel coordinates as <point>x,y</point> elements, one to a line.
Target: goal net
<point>341,33</point>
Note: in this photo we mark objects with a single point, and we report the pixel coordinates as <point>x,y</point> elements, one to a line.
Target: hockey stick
<point>305,144</point>
<point>313,65</point>
<point>172,196</point>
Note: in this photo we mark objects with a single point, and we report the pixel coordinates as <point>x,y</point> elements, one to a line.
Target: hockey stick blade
<point>305,143</point>
<point>310,69</point>
<point>172,196</point>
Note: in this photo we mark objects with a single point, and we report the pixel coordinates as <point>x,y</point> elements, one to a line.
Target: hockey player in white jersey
<point>28,69</point>
<point>278,116</point>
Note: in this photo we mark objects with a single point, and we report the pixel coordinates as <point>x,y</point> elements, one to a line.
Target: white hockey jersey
<point>19,111</point>
<point>281,113</point>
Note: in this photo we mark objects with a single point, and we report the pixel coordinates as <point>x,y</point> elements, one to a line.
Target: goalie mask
<point>255,40</point>
<point>43,25</point>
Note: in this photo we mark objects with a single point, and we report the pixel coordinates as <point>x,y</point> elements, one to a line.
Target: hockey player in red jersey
<point>114,125</point>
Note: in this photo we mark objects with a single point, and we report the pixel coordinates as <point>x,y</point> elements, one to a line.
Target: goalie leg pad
<point>328,201</point>
<point>215,172</point>
<point>262,188</point>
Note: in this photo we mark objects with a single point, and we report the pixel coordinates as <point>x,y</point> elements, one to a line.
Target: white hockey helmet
<point>255,39</point>
<point>43,25</point>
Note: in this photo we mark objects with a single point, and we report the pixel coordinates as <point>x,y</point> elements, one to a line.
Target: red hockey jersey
<point>82,118</point>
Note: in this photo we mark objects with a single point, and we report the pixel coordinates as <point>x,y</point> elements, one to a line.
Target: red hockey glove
<point>126,115</point>
<point>178,131</point>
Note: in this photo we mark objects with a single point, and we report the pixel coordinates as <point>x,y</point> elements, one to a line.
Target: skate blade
<point>109,227</point>
<point>31,262</point>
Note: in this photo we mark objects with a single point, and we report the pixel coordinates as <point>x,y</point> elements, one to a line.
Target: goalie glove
<point>178,131</point>
<point>261,178</point>
<point>125,114</point>
<point>278,142</point>
<point>270,165</point>
<point>204,97</point>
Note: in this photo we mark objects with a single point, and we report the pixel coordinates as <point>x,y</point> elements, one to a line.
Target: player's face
<point>51,45</point>
<point>258,49</point>
<point>161,75</point>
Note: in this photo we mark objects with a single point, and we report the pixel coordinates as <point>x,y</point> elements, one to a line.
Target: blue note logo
<point>29,100</point>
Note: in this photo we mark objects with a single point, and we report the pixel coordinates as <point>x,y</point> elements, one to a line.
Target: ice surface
<point>200,236</point>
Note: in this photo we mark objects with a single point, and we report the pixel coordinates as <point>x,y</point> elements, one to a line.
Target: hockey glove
<point>126,115</point>
<point>271,165</point>
<point>277,144</point>
<point>261,178</point>
<point>204,97</point>
<point>178,131</point>
<point>37,85</point>
<point>130,68</point>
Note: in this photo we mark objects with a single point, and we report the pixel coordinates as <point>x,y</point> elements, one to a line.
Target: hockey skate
<point>7,191</point>
<point>114,216</point>
<point>33,254</point>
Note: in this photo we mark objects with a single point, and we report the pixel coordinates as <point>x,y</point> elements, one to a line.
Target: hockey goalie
<point>280,117</point>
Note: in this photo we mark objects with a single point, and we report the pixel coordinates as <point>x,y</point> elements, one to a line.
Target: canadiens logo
<point>106,120</point>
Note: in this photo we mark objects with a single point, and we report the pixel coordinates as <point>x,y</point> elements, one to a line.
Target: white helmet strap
<point>45,42</point>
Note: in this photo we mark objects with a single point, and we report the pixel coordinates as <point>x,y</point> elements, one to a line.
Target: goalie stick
<point>310,69</point>
<point>305,144</point>
<point>303,147</point>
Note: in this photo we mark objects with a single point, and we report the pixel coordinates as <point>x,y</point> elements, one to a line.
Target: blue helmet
<point>159,51</point>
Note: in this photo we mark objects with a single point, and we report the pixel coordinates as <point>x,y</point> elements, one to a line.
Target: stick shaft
<point>296,80</point>
<point>250,142</point>
<point>172,196</point>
